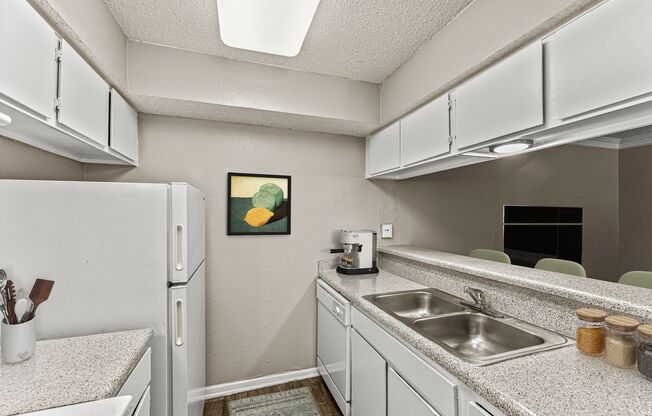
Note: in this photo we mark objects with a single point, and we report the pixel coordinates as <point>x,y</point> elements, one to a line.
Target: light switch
<point>386,231</point>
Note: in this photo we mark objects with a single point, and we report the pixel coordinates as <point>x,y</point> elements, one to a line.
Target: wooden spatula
<point>40,293</point>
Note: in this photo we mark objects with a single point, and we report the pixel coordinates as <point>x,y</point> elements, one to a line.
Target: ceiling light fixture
<point>511,147</point>
<point>277,27</point>
<point>5,120</point>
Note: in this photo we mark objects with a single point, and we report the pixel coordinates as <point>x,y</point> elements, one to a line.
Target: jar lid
<point>645,330</point>
<point>590,314</point>
<point>622,322</point>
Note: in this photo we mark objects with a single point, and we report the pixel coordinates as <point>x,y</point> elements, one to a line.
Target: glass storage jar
<point>645,351</point>
<point>620,342</point>
<point>590,333</point>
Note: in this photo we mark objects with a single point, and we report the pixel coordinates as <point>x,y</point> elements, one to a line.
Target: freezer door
<point>188,343</point>
<point>187,231</point>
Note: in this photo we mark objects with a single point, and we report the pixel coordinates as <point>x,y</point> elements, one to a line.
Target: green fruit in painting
<point>275,190</point>
<point>264,199</point>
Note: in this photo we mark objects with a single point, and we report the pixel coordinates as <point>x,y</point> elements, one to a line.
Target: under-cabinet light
<point>511,147</point>
<point>276,27</point>
<point>5,120</point>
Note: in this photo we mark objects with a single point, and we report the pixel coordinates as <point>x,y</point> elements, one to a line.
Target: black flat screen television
<point>532,233</point>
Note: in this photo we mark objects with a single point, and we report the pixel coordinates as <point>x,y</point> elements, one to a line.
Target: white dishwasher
<point>333,344</point>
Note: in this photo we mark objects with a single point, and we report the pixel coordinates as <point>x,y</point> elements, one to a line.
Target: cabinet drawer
<point>402,400</point>
<point>138,381</point>
<point>436,389</point>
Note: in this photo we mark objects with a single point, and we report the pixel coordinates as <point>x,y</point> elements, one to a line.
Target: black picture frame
<point>233,226</point>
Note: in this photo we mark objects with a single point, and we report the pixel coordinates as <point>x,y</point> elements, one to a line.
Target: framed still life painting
<point>258,204</point>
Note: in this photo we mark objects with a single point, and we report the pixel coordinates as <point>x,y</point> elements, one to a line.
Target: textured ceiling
<point>364,40</point>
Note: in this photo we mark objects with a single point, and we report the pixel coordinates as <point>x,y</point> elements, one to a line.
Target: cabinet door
<point>84,97</point>
<point>602,58</point>
<point>383,150</point>
<point>28,70</point>
<point>403,400</point>
<point>425,133</point>
<point>368,379</point>
<point>476,410</point>
<point>504,99</point>
<point>124,127</point>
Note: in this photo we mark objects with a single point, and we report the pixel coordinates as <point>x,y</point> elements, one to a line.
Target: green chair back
<point>561,266</point>
<point>491,255</point>
<point>637,278</point>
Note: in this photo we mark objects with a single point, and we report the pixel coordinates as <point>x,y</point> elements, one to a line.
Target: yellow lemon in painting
<point>257,217</point>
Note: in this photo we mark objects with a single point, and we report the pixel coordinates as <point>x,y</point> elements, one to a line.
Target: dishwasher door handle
<point>339,311</point>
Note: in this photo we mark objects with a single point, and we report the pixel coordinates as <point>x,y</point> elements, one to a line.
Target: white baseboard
<point>220,390</point>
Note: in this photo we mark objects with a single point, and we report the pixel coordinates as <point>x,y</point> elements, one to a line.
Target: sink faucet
<point>480,302</point>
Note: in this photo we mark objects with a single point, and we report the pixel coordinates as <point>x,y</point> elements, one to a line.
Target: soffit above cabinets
<point>365,40</point>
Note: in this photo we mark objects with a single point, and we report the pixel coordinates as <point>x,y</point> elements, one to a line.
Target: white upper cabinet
<point>84,97</point>
<point>384,150</point>
<point>402,400</point>
<point>425,133</point>
<point>601,59</point>
<point>28,69</point>
<point>124,127</point>
<point>504,99</point>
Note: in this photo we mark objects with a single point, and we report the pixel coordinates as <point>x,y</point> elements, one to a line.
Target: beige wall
<point>635,203</point>
<point>20,161</point>
<point>260,290</point>
<point>461,209</point>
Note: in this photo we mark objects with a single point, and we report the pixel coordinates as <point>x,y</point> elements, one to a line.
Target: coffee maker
<point>358,252</point>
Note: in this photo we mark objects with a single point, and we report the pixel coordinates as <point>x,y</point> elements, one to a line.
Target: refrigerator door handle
<point>178,324</point>
<point>178,256</point>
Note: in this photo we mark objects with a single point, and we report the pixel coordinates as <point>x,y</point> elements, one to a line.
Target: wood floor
<point>323,398</point>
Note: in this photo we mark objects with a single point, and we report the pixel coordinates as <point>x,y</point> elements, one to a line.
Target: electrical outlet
<point>386,231</point>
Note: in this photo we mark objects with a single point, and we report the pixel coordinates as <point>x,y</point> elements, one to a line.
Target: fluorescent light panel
<point>277,27</point>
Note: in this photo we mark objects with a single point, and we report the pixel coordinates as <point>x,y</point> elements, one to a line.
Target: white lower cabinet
<point>137,386</point>
<point>368,375</point>
<point>475,409</point>
<point>403,400</point>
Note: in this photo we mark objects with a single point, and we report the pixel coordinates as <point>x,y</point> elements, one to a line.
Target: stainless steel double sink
<point>472,336</point>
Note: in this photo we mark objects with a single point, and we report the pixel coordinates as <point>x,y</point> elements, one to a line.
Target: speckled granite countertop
<point>560,382</point>
<point>71,370</point>
<point>595,292</point>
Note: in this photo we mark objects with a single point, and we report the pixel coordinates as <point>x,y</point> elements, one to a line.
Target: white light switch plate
<point>386,231</point>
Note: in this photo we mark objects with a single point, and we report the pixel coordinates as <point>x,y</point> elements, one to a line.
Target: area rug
<point>297,402</point>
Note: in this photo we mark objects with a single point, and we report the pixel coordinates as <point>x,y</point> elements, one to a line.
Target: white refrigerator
<point>123,256</point>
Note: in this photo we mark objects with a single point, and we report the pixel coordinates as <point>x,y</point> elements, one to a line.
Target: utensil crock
<point>18,342</point>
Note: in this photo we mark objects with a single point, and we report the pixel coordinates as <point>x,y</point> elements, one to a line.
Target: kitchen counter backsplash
<point>550,309</point>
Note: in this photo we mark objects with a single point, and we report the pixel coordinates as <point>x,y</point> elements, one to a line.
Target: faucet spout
<point>479,302</point>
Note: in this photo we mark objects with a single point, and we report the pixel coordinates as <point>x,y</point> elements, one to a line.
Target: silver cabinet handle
<point>178,326</point>
<point>178,258</point>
